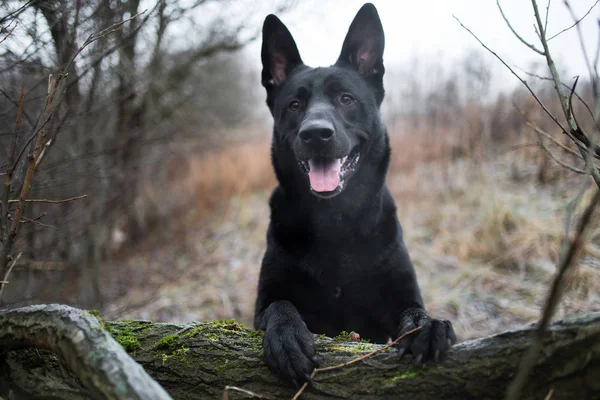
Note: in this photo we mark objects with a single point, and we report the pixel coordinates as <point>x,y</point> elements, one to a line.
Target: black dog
<point>335,257</point>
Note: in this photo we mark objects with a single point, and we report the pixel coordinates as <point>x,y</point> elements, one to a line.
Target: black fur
<point>335,260</point>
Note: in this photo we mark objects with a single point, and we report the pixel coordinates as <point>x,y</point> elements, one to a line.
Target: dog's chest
<point>336,304</point>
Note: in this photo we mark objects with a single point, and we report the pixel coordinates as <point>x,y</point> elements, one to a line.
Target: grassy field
<point>482,230</point>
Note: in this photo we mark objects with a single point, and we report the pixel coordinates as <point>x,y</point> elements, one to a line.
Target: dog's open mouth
<point>328,175</point>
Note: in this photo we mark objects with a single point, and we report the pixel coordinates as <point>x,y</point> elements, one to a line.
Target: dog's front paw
<point>431,342</point>
<point>289,351</point>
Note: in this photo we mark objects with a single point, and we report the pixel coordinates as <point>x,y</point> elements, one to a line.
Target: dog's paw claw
<point>431,342</point>
<point>288,350</point>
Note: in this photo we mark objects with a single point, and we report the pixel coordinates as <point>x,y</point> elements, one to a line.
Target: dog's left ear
<point>364,43</point>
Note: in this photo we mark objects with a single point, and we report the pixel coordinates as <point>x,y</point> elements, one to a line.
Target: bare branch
<point>557,160</point>
<point>581,100</point>
<point>547,14</point>
<point>35,221</point>
<point>524,82</point>
<point>593,74</point>
<point>525,42</point>
<point>98,35</point>
<point>4,227</point>
<point>542,145</point>
<point>597,56</point>
<point>16,104</point>
<point>9,32</point>
<point>552,66</point>
<point>17,11</point>
<point>53,85</point>
<point>548,136</point>
<point>51,201</point>
<point>574,130</point>
<point>577,21</point>
<point>6,275</point>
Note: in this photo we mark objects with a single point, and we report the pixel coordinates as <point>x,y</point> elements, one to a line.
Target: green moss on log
<point>126,333</point>
<point>168,342</point>
<point>410,373</point>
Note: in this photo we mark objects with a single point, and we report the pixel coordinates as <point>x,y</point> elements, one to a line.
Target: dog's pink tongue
<point>324,176</point>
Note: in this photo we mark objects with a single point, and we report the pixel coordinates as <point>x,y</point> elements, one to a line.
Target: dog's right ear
<point>279,53</point>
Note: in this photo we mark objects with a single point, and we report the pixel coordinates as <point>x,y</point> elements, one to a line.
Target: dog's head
<point>326,119</point>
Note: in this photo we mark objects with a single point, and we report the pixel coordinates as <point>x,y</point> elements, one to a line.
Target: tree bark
<point>97,362</point>
<point>197,361</point>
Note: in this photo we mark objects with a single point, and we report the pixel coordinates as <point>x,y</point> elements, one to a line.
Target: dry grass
<point>217,177</point>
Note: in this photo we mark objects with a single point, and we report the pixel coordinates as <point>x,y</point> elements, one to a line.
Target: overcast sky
<point>427,30</point>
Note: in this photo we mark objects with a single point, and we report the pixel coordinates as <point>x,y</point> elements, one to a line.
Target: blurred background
<point>162,124</point>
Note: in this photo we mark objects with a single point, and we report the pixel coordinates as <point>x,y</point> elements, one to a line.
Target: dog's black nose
<point>316,133</point>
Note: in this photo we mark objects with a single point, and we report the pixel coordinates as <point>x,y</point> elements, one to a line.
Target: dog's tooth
<point>343,160</point>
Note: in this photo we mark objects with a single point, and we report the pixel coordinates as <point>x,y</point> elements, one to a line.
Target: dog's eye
<point>346,99</point>
<point>294,105</point>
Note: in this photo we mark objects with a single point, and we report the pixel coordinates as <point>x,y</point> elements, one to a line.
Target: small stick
<point>361,358</point>
<point>387,346</point>
<point>304,386</point>
<point>237,389</point>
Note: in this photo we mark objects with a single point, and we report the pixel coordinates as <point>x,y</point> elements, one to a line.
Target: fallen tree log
<point>197,361</point>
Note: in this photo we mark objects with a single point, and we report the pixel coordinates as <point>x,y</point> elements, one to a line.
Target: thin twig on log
<point>246,392</point>
<point>359,359</point>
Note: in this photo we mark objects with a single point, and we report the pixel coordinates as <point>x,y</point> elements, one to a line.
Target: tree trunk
<point>197,361</point>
